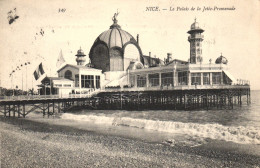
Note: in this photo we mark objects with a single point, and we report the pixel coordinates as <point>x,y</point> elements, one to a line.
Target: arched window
<point>116,60</point>
<point>68,74</point>
<point>131,54</point>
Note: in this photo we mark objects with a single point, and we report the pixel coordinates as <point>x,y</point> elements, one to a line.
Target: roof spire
<point>115,16</point>
<point>195,19</point>
<point>114,19</point>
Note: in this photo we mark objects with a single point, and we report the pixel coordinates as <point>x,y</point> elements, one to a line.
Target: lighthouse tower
<point>195,40</point>
<point>80,57</point>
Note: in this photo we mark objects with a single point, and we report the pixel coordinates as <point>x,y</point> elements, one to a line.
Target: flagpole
<point>26,80</point>
<point>12,86</point>
<point>22,81</point>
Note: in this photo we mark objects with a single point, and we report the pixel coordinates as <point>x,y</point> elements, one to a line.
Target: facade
<point>84,78</point>
<point>180,74</point>
<point>117,62</point>
<point>72,79</point>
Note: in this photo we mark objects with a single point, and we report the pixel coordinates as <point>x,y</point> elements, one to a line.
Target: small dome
<point>80,52</point>
<point>221,60</point>
<point>195,25</point>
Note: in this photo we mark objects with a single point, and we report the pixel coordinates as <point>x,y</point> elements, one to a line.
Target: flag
<point>41,69</point>
<point>36,76</point>
<point>38,72</point>
<point>60,60</point>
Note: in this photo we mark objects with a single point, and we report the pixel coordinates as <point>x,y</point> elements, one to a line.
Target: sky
<point>234,33</point>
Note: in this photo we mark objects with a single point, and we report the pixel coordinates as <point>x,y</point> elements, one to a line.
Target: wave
<point>240,134</point>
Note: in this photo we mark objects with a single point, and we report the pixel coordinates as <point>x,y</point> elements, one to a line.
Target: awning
<point>231,77</point>
<point>118,82</point>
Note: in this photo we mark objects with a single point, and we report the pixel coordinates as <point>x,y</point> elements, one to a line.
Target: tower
<point>80,57</point>
<point>195,38</point>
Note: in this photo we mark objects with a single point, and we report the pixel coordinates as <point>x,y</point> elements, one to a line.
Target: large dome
<point>114,49</point>
<point>115,37</point>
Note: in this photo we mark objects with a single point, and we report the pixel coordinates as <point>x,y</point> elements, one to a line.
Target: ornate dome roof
<point>221,60</point>
<point>114,49</point>
<point>115,36</point>
<point>80,52</point>
<point>195,27</point>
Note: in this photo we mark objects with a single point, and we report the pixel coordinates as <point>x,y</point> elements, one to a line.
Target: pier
<point>48,105</point>
<point>185,98</point>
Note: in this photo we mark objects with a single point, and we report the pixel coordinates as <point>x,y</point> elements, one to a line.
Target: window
<point>153,79</point>
<point>67,85</point>
<point>58,85</point>
<point>76,80</point>
<point>68,74</point>
<point>97,82</point>
<point>167,79</point>
<point>198,51</point>
<point>193,60</point>
<point>206,79</point>
<point>182,78</point>
<point>216,77</point>
<point>132,80</point>
<point>141,81</point>
<point>87,81</point>
<point>195,78</point>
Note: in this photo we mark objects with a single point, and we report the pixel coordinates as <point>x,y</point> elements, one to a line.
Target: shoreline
<point>69,146</point>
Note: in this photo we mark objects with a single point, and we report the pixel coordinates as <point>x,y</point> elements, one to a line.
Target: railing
<point>33,97</point>
<point>181,87</point>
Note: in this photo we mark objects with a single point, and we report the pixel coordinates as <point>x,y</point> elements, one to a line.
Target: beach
<point>29,143</point>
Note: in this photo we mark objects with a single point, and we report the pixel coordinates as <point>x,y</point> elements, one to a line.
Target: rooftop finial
<point>115,16</point>
<point>195,19</point>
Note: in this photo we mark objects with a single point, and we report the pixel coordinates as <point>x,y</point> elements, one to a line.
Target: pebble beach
<point>28,143</point>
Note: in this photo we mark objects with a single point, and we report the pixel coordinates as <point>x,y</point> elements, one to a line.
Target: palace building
<point>117,62</point>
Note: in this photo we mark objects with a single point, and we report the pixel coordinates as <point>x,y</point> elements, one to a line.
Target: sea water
<point>240,125</point>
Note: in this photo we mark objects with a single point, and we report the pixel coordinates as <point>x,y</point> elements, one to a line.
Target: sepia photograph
<point>134,83</point>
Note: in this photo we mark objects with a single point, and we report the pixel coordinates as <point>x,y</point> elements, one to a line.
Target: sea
<point>240,125</point>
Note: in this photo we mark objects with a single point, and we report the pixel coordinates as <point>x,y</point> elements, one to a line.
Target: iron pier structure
<point>132,99</point>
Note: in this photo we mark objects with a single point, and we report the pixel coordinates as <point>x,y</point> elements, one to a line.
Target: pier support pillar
<point>48,109</point>
<point>43,109</point>
<point>9,111</point>
<point>4,110</point>
<point>53,108</point>
<point>13,110</point>
<point>23,110</point>
<point>18,110</point>
<point>58,107</point>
